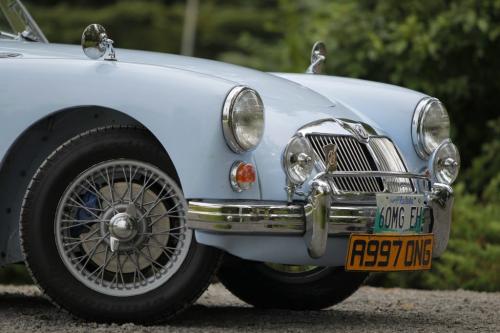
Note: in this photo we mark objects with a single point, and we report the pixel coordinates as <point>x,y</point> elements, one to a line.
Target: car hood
<point>269,86</point>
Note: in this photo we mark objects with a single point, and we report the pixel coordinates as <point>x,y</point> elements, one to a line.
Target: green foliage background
<point>447,49</point>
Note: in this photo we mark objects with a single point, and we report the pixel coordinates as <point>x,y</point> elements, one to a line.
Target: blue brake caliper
<point>90,201</point>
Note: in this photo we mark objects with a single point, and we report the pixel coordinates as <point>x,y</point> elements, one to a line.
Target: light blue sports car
<point>130,178</point>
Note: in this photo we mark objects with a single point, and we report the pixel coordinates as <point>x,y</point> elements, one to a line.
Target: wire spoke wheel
<point>120,227</point>
<point>103,230</point>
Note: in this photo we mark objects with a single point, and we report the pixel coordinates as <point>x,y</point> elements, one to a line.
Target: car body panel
<point>161,108</point>
<point>179,100</point>
<point>387,108</point>
<point>276,249</point>
<point>170,81</point>
<point>267,85</point>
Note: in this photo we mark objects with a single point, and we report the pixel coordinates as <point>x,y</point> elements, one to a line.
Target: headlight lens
<point>431,126</point>
<point>298,160</point>
<point>445,163</point>
<point>243,119</point>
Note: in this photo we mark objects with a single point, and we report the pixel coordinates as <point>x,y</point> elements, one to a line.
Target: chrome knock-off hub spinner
<point>126,227</point>
<point>123,227</point>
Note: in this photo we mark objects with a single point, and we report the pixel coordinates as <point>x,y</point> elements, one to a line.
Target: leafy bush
<point>446,49</point>
<point>132,24</point>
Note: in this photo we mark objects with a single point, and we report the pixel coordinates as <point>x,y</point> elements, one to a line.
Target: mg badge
<point>331,157</point>
<point>359,129</point>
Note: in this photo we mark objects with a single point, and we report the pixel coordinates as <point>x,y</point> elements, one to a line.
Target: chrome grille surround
<point>377,154</point>
<point>387,158</point>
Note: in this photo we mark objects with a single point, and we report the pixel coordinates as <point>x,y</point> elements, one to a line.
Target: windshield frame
<point>21,22</point>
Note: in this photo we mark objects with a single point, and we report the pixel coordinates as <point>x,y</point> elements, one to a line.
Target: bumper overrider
<point>325,213</point>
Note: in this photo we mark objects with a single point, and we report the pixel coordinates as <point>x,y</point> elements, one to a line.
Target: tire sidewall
<point>39,241</point>
<point>261,286</point>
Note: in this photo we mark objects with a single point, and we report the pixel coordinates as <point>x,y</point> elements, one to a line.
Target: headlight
<point>298,160</point>
<point>431,126</point>
<point>243,119</point>
<point>445,163</point>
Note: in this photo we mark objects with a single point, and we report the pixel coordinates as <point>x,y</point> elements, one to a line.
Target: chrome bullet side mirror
<point>96,44</point>
<point>318,57</point>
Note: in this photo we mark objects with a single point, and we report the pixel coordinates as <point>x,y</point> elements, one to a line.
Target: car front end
<point>350,198</point>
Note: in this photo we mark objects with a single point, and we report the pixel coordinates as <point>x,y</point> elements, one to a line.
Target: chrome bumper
<point>274,218</point>
<point>320,217</point>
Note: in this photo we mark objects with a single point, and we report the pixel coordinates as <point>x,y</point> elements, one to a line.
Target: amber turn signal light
<point>242,176</point>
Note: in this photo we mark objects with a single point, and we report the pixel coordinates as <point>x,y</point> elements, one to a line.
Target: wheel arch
<point>32,147</point>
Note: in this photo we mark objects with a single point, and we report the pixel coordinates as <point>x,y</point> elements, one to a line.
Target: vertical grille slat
<point>349,144</point>
<point>354,182</point>
<point>345,165</point>
<point>379,154</point>
<point>344,183</point>
<point>362,166</point>
<point>317,148</point>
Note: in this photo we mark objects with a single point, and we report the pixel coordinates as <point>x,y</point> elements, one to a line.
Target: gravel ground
<point>23,309</point>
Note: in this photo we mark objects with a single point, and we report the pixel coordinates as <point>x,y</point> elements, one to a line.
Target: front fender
<point>181,108</point>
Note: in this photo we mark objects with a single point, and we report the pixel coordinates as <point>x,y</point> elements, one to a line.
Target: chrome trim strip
<point>226,119</point>
<point>377,174</point>
<point>227,126</point>
<point>416,125</point>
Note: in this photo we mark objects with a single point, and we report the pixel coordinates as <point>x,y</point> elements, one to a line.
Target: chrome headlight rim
<point>434,163</point>
<point>417,133</point>
<point>228,123</point>
<point>286,163</point>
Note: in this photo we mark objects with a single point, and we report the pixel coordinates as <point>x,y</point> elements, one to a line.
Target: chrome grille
<point>351,156</point>
<point>379,154</point>
<point>389,160</point>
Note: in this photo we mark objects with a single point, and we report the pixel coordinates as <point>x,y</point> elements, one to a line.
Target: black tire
<point>39,244</point>
<point>260,285</point>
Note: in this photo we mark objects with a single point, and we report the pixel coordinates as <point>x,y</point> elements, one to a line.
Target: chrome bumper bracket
<point>441,199</point>
<point>317,215</point>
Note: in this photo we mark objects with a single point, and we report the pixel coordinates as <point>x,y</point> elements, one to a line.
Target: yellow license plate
<point>383,253</point>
